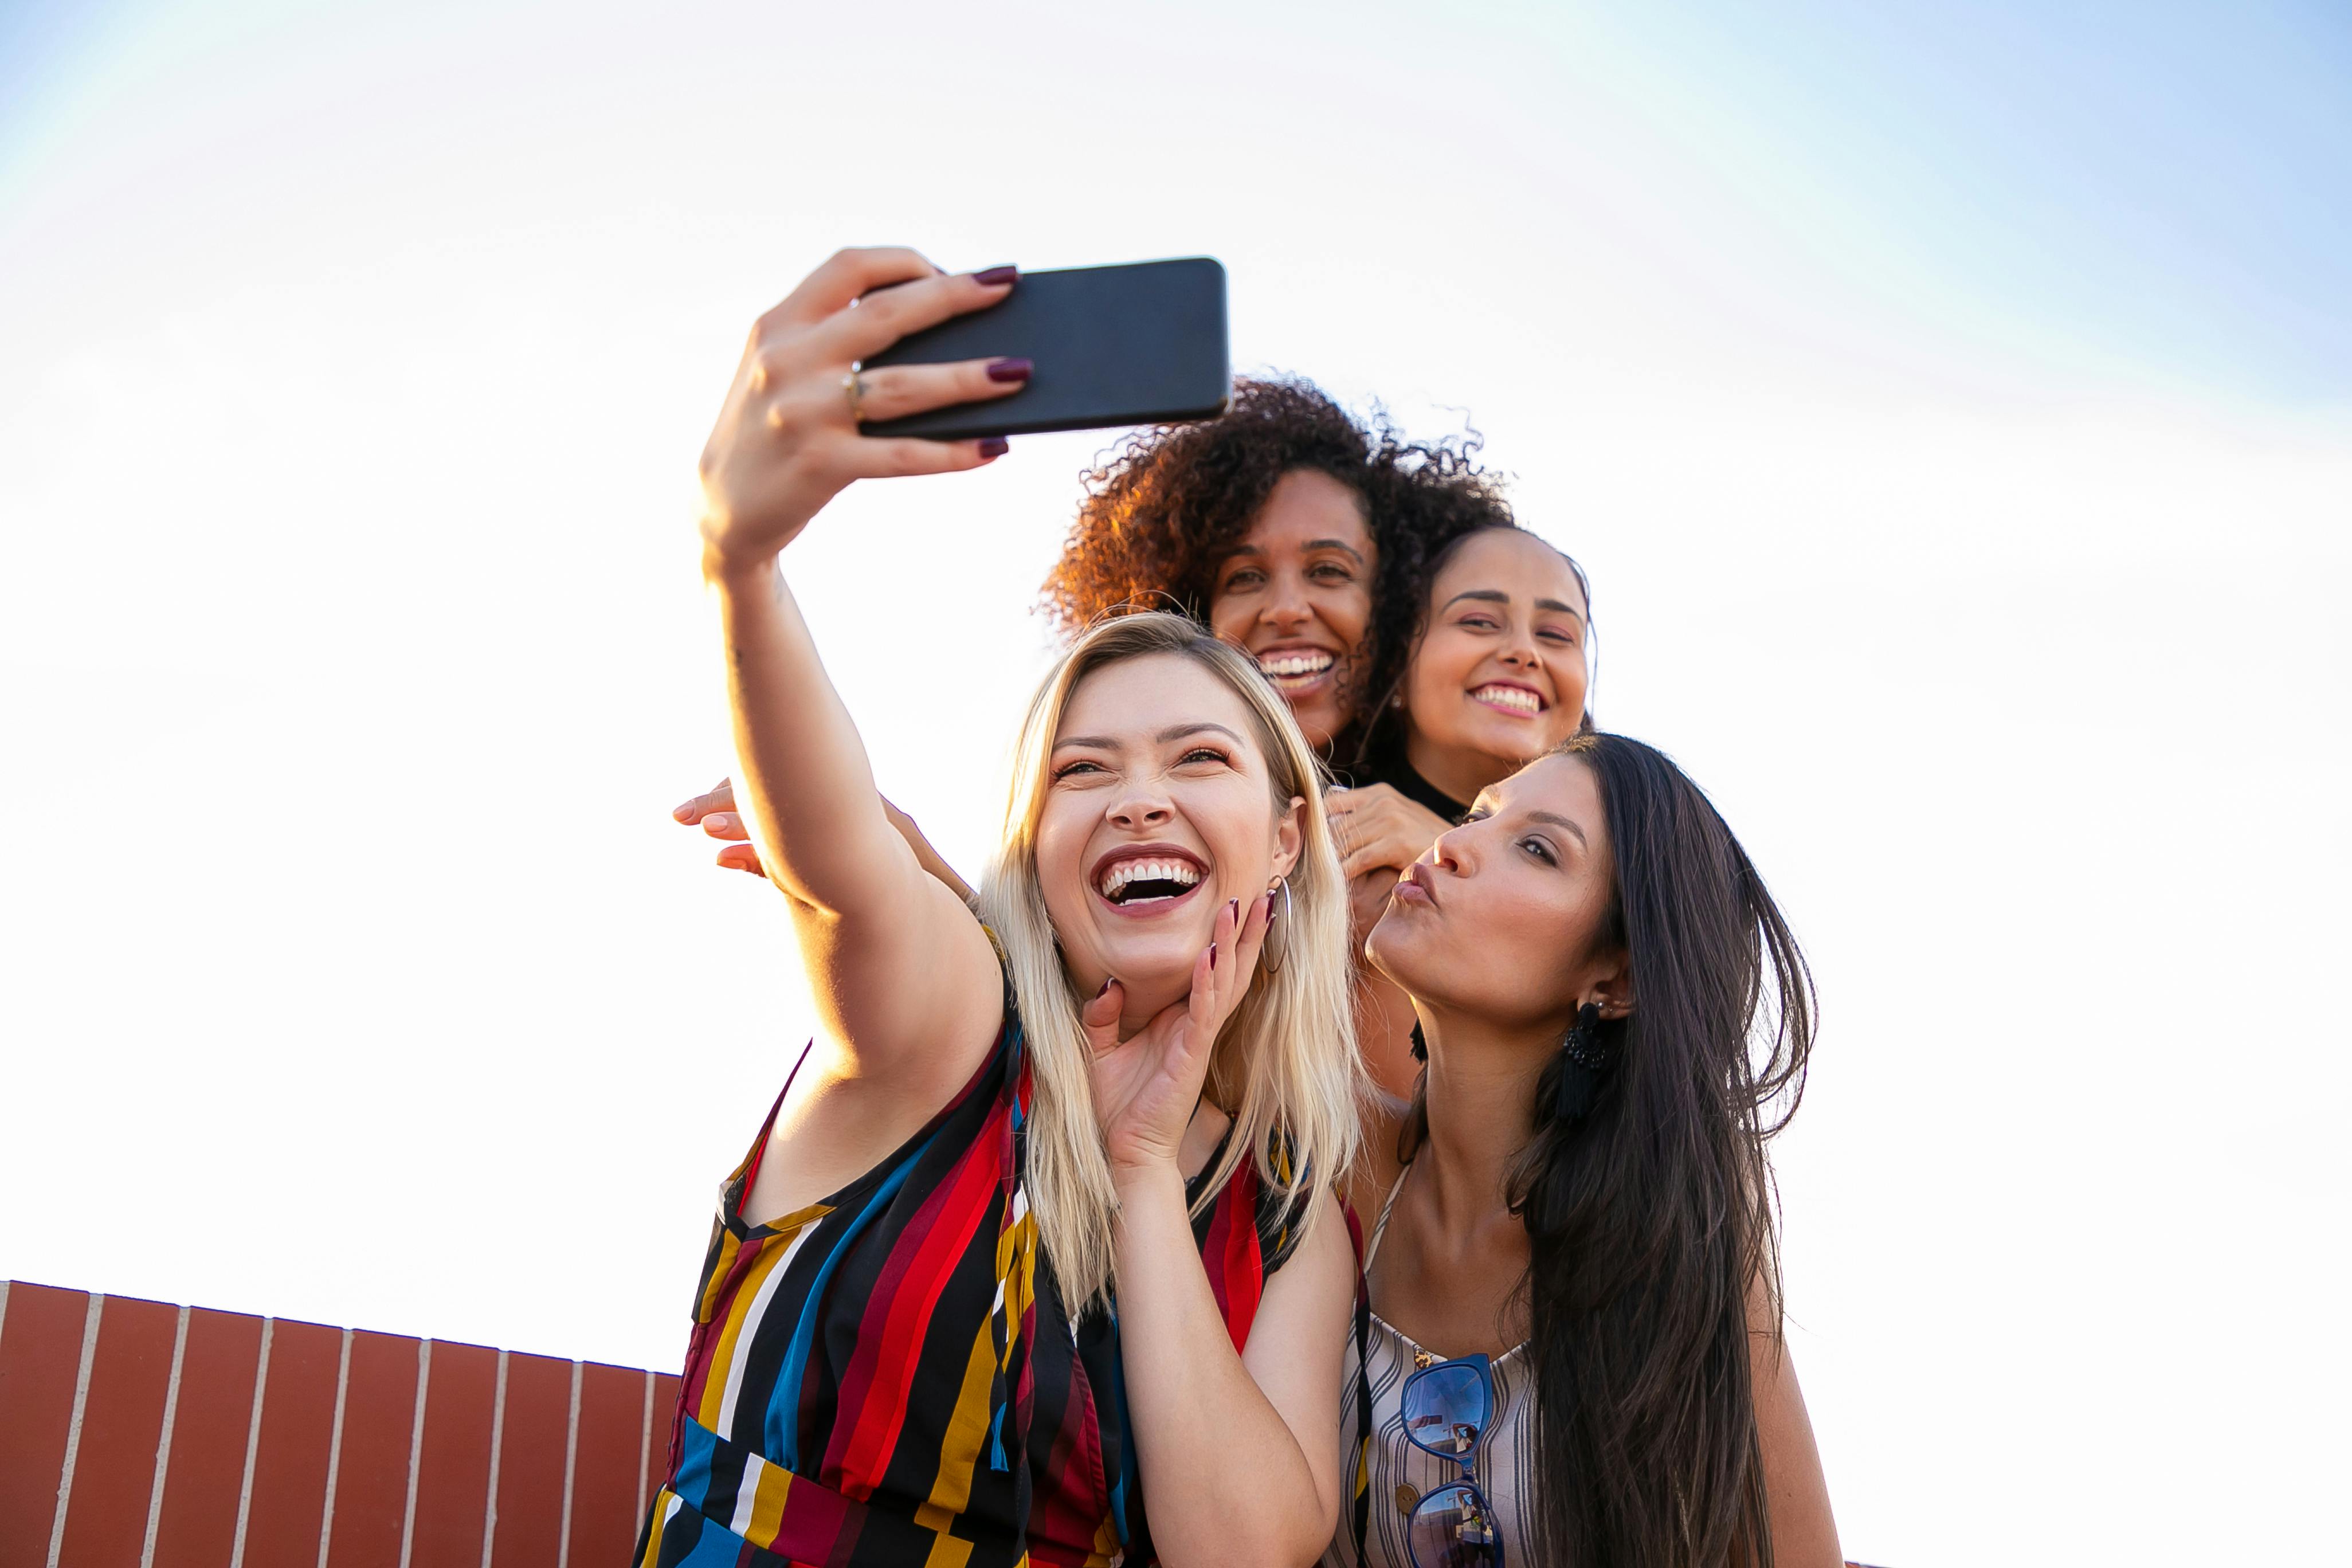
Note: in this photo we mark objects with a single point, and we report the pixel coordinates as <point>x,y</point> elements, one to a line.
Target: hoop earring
<point>1275,946</point>
<point>1585,1059</point>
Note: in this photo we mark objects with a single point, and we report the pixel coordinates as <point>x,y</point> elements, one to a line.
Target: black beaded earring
<point>1420,1046</point>
<point>1585,1059</point>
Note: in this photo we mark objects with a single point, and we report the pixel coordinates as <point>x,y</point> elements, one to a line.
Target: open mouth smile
<point>1518,702</point>
<point>1141,880</point>
<point>1296,669</point>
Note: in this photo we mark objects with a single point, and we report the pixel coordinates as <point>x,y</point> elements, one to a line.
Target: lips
<point>1510,697</point>
<point>1416,885</point>
<point>1140,880</point>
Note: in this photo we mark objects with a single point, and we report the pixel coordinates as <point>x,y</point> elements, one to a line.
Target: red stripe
<point>874,1390</point>
<point>1071,1497</point>
<point>1243,1271</point>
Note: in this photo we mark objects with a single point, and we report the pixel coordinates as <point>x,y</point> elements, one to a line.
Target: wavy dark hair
<point>1166,508</point>
<point>1650,1218</point>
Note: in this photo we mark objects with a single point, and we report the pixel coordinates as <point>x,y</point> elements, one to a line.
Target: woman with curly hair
<point>1294,530</point>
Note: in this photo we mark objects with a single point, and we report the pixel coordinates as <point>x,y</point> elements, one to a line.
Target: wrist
<point>730,574</point>
<point>1142,1174</point>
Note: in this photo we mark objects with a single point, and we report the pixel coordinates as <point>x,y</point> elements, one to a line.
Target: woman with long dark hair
<point>1571,1353</point>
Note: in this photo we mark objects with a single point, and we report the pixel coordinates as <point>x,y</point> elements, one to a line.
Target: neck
<point>1481,1105</point>
<point>1458,771</point>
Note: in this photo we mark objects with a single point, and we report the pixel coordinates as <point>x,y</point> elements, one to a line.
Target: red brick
<point>453,1472</point>
<point>371,1475</point>
<point>197,1528</point>
<point>289,1462</point>
<point>122,1422</point>
<point>40,1355</point>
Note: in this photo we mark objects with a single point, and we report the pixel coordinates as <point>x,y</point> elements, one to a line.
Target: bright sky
<point>1953,405</point>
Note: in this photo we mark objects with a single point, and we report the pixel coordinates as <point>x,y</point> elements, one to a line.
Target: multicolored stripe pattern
<point>889,1376</point>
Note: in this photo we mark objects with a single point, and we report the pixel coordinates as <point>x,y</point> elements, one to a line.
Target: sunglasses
<point>1447,1408</point>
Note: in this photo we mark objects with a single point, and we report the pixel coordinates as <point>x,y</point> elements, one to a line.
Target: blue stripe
<point>783,1427</point>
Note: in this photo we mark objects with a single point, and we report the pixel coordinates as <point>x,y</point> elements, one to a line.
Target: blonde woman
<point>1035,1233</point>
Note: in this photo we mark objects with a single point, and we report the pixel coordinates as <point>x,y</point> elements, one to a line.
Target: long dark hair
<point>1650,1218</point>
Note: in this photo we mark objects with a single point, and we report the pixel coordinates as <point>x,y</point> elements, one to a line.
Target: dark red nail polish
<point>995,276</point>
<point>1213,956</point>
<point>994,446</point>
<point>1108,980</point>
<point>1010,369</point>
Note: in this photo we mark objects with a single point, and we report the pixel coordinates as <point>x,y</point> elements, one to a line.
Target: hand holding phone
<point>1138,344</point>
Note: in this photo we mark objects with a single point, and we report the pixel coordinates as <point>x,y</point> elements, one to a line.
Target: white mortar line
<point>644,1446</point>
<point>163,1443</point>
<point>571,1458</point>
<point>73,1430</point>
<point>335,1449</point>
<point>252,1442</point>
<point>498,1440</point>
<point>416,1447</point>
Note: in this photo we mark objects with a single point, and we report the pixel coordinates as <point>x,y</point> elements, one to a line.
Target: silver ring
<point>853,386</point>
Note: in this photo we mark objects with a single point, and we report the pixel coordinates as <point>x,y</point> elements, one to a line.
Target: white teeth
<point>1511,696</point>
<point>1183,873</point>
<point>1295,664</point>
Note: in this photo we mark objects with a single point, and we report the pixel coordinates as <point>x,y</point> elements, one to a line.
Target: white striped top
<point>1402,1472</point>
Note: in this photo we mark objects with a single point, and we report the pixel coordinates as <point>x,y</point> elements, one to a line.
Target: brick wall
<point>138,1435</point>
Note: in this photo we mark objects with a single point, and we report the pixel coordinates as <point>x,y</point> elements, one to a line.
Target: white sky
<point>352,652</point>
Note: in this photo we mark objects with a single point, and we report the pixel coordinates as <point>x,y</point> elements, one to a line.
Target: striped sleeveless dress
<point>889,1376</point>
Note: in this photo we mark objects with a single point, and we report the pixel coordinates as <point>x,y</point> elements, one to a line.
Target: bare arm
<point>1236,1450</point>
<point>1804,1532</point>
<point>902,973</point>
<point>1238,1455</point>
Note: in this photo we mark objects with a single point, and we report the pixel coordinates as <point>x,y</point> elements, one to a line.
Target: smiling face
<point>1507,918</point>
<point>1499,674</point>
<point>1297,594</point>
<point>1158,810</point>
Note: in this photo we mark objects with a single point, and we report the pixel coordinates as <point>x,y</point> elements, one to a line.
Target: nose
<point>1139,809</point>
<point>1286,607</point>
<point>1448,853</point>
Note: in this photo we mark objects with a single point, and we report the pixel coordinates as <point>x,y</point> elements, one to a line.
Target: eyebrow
<point>1497,596</point>
<point>1173,732</point>
<point>1339,544</point>
<point>1559,821</point>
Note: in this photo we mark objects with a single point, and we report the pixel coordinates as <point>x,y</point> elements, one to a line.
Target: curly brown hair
<point>1170,504</point>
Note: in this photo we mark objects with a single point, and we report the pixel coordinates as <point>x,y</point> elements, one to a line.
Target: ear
<point>1612,985</point>
<point>1289,835</point>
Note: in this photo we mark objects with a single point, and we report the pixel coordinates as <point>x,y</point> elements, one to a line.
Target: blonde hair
<point>1285,1065</point>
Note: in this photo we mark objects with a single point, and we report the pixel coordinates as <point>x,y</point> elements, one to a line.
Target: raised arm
<point>901,971</point>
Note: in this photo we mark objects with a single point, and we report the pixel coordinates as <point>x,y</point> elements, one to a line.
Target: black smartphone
<point>1141,345</point>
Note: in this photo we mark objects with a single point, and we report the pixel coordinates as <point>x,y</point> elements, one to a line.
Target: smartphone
<point>1141,345</point>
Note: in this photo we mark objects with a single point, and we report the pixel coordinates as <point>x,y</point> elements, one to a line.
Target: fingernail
<point>1269,907</point>
<point>683,813</point>
<point>1213,956</point>
<point>1108,980</point>
<point>996,277</point>
<point>1234,908</point>
<point>1010,369</point>
<point>994,446</point>
<point>719,821</point>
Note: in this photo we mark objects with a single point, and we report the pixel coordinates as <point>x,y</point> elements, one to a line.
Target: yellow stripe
<point>967,1429</point>
<point>768,1504</point>
<point>662,1501</point>
<point>728,1247</point>
<point>722,1356</point>
<point>947,1551</point>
